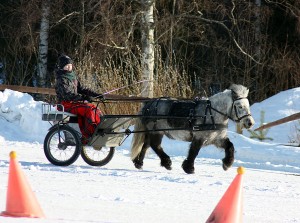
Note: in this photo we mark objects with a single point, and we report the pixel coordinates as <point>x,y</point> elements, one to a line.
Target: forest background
<point>200,46</point>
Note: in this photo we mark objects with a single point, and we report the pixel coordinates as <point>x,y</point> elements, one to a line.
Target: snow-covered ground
<point>118,192</point>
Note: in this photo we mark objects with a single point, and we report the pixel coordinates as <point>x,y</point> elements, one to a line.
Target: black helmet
<point>63,60</point>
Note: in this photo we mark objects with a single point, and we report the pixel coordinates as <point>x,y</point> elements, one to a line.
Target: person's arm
<point>86,91</point>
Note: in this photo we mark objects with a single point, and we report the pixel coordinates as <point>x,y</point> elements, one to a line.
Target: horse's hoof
<point>138,165</point>
<point>225,167</point>
<point>166,163</point>
<point>227,164</point>
<point>187,168</point>
<point>168,167</point>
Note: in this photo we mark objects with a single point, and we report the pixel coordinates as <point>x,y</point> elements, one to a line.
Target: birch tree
<point>43,43</point>
<point>257,30</point>
<point>147,47</point>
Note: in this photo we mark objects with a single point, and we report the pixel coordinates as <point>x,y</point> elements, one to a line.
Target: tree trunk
<point>43,45</point>
<point>81,50</point>
<point>147,47</point>
<point>257,31</point>
<point>257,51</point>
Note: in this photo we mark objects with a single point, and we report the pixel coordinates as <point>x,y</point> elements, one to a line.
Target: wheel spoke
<point>62,146</point>
<point>97,156</point>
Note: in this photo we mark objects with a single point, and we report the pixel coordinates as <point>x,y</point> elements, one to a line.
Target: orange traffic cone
<point>20,200</point>
<point>230,207</point>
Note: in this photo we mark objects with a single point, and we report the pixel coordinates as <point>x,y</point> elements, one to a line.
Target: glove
<point>87,98</point>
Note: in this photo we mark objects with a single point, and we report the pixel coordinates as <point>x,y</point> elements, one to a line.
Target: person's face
<point>68,67</point>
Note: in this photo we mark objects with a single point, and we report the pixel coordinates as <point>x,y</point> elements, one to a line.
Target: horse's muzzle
<point>248,122</point>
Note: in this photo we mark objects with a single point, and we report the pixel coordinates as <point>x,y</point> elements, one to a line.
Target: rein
<point>126,86</point>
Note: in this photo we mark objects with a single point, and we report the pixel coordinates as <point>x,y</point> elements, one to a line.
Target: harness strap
<point>208,109</point>
<point>195,128</point>
<point>222,113</point>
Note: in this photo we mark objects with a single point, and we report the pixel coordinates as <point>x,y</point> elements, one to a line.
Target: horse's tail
<point>138,139</point>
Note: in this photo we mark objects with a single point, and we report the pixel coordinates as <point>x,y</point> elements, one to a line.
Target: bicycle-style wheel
<point>97,156</point>
<point>62,145</point>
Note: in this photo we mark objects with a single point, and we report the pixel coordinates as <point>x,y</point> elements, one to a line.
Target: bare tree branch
<point>228,31</point>
<point>132,26</point>
<point>293,9</point>
<point>115,46</point>
<point>64,18</point>
<point>231,12</point>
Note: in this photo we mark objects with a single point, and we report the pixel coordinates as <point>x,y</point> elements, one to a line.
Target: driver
<point>76,99</point>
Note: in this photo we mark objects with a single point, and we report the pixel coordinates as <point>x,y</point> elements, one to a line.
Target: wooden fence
<point>36,90</point>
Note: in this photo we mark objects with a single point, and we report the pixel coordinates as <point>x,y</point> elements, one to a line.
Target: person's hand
<point>87,98</point>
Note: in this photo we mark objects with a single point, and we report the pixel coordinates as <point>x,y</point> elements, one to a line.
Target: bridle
<point>236,112</point>
<point>233,107</point>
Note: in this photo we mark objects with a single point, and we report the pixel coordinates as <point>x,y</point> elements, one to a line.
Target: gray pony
<point>201,122</point>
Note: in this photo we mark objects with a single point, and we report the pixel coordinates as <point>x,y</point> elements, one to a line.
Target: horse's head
<point>240,108</point>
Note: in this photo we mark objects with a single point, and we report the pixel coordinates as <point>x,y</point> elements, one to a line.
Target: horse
<point>201,122</point>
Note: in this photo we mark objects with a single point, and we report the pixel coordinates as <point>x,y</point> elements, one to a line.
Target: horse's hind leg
<point>229,154</point>
<point>155,143</point>
<point>188,163</point>
<point>139,160</point>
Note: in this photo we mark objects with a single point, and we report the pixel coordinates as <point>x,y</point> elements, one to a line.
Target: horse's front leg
<point>155,143</point>
<point>188,163</point>
<point>229,154</point>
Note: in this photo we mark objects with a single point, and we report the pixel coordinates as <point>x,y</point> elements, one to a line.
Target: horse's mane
<point>240,90</point>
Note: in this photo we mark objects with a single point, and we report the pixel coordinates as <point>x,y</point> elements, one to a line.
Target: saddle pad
<point>178,113</point>
<point>182,109</point>
<point>156,107</point>
<point>173,108</point>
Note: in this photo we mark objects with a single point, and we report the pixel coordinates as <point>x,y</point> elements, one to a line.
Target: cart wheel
<point>97,156</point>
<point>62,145</point>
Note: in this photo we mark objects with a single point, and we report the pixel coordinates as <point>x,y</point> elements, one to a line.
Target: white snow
<point>118,192</point>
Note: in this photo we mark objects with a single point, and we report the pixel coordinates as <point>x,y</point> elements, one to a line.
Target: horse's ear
<point>234,95</point>
<point>247,92</point>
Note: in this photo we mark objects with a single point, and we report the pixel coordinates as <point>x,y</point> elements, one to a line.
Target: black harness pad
<point>181,114</point>
<point>152,108</point>
<point>182,108</point>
